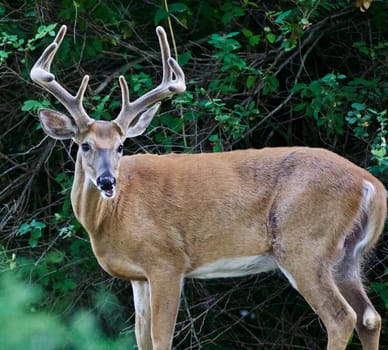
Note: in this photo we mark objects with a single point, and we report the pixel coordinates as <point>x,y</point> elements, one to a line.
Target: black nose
<point>106,182</point>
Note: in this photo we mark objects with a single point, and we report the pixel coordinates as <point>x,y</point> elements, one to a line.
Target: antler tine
<point>173,81</point>
<point>165,53</point>
<point>40,73</point>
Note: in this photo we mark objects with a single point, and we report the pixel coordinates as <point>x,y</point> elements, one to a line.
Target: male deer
<point>154,220</point>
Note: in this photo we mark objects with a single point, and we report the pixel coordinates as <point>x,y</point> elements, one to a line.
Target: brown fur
<point>199,203</point>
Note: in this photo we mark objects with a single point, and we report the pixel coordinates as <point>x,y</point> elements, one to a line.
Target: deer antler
<point>40,73</point>
<point>173,81</point>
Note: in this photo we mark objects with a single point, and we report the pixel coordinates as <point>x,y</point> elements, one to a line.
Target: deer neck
<point>88,205</point>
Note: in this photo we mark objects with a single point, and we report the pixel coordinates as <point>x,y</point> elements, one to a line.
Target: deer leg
<point>141,297</point>
<point>368,320</point>
<point>165,298</point>
<point>369,328</point>
<point>315,283</point>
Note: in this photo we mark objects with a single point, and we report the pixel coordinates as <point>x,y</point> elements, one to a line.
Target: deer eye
<point>120,149</point>
<point>85,147</point>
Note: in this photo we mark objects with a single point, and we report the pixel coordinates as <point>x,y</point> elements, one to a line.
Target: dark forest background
<point>259,74</point>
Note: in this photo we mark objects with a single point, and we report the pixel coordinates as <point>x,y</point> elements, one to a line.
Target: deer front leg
<point>165,297</point>
<point>141,298</point>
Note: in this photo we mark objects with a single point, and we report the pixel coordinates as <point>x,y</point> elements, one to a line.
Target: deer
<point>155,220</point>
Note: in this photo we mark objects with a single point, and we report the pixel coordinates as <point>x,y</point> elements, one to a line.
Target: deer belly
<point>235,267</point>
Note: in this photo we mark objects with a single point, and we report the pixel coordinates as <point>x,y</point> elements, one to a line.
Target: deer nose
<point>106,182</point>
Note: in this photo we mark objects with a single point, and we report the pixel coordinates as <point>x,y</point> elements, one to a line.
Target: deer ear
<point>57,125</point>
<point>143,121</point>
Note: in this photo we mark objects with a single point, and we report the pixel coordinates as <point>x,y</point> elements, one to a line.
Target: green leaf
<point>351,120</point>
<point>379,153</point>
<point>232,34</point>
<point>254,40</point>
<point>36,234</point>
<point>65,285</point>
<point>4,54</point>
<point>177,7</point>
<point>66,231</point>
<point>250,81</point>
<point>223,117</point>
<point>33,242</point>
<point>299,86</point>
<point>246,32</point>
<point>271,37</point>
<point>282,16</point>
<point>316,88</point>
<point>184,58</point>
<point>213,138</point>
<point>24,228</point>
<point>299,107</point>
<point>38,224</point>
<point>160,15</point>
<point>34,106</point>
<point>358,106</point>
<point>55,257</point>
<point>304,21</point>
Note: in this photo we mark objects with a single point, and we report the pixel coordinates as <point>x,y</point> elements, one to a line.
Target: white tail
<point>155,220</point>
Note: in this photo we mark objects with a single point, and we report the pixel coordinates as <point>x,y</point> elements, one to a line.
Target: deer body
<point>154,220</point>
<point>164,215</point>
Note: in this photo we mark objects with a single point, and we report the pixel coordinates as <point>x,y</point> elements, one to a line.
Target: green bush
<point>25,327</point>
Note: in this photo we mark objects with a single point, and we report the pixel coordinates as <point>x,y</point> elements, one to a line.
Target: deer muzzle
<point>106,180</point>
<point>106,183</point>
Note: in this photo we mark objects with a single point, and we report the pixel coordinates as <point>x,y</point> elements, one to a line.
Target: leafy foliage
<point>28,328</point>
<point>34,229</point>
<point>259,74</point>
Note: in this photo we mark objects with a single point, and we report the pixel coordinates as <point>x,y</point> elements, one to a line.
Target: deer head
<point>101,142</point>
